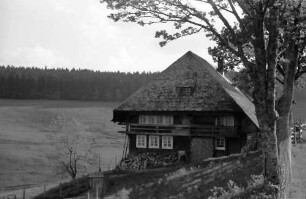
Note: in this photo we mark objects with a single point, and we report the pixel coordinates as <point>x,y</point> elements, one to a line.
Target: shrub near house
<point>190,110</point>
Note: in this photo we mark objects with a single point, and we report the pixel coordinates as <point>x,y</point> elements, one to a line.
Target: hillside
<point>28,137</point>
<point>299,109</point>
<point>189,181</point>
<point>298,186</point>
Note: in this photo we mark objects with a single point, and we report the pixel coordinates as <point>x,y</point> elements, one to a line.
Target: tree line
<point>65,84</point>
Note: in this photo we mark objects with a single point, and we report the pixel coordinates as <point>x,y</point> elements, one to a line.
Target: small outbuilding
<point>189,109</point>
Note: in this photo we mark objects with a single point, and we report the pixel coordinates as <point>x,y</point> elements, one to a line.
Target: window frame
<point>142,119</point>
<point>138,141</point>
<point>155,119</point>
<point>159,120</point>
<point>224,121</point>
<point>166,139</point>
<point>185,91</point>
<point>152,119</point>
<point>168,120</point>
<point>220,143</point>
<point>153,142</point>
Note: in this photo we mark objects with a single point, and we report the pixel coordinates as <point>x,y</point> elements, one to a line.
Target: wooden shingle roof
<point>209,91</point>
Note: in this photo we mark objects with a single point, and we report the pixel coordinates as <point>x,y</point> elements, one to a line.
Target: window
<point>167,120</point>
<point>186,120</point>
<point>141,141</point>
<point>154,142</point>
<point>225,121</point>
<point>185,91</point>
<point>167,142</point>
<point>220,144</point>
<point>156,119</point>
<point>143,119</point>
<point>152,119</point>
<point>159,119</point>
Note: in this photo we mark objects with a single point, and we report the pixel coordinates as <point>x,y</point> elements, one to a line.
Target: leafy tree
<point>263,36</point>
<point>290,63</point>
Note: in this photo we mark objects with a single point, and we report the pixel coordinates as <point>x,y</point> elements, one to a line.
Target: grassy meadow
<point>299,111</point>
<point>298,187</point>
<point>28,132</point>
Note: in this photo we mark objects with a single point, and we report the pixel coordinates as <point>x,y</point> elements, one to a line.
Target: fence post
<point>88,195</point>
<point>23,194</point>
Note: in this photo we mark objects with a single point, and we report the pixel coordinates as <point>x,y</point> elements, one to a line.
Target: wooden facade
<point>190,110</point>
<point>185,132</point>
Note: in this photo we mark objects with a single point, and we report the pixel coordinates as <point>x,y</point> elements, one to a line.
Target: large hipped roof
<point>210,91</point>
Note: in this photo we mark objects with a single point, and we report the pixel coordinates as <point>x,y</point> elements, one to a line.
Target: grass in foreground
<point>66,190</point>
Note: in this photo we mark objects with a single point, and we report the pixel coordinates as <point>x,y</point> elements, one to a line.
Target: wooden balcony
<point>181,130</point>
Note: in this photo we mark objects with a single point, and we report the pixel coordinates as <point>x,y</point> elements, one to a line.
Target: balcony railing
<point>184,130</point>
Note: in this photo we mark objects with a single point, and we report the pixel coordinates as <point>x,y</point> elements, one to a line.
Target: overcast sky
<point>77,34</point>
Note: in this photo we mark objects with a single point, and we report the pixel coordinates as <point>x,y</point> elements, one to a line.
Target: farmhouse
<point>189,109</point>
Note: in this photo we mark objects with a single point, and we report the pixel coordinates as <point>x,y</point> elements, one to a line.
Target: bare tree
<point>73,147</point>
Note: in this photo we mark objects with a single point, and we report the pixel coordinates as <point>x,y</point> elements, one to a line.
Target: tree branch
<point>241,24</point>
<point>220,7</point>
<point>279,80</point>
<point>240,52</point>
<point>300,73</point>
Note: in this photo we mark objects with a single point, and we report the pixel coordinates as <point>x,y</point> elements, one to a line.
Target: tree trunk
<point>284,109</point>
<point>73,176</point>
<point>268,144</point>
<point>263,76</point>
<point>284,153</point>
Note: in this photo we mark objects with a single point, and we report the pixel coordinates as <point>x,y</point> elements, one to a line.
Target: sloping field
<point>299,108</point>
<point>189,181</point>
<point>299,111</point>
<point>29,133</point>
<point>298,187</point>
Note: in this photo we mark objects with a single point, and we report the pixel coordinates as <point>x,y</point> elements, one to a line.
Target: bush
<point>256,188</point>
